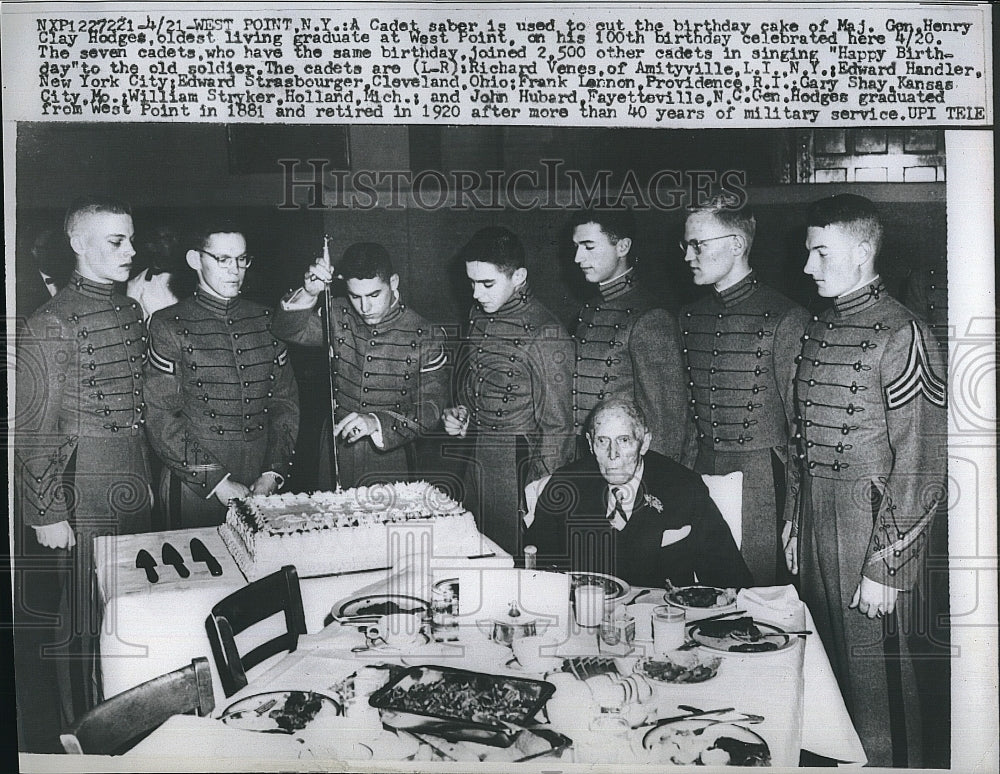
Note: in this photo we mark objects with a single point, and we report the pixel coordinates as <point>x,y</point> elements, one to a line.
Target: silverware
<point>171,555</point>
<point>200,553</point>
<point>145,561</point>
<point>675,718</point>
<point>434,747</point>
<point>717,616</point>
<point>642,593</point>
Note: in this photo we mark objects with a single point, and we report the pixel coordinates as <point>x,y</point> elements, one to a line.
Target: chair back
<point>276,593</point>
<point>114,726</point>
<point>727,494</point>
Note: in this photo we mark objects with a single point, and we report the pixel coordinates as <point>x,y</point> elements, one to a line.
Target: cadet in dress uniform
<point>80,469</point>
<point>391,380</point>
<point>223,402</point>
<point>626,345</point>
<point>740,343</point>
<point>513,386</point>
<point>870,411</point>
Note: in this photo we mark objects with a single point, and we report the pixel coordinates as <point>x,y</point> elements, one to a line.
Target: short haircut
<point>366,260</point>
<point>725,208</point>
<point>205,230</point>
<point>91,205</point>
<point>616,223</point>
<point>853,213</point>
<point>627,406</point>
<point>495,245</point>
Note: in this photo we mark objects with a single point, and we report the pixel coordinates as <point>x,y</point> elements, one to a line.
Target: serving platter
<point>281,712</point>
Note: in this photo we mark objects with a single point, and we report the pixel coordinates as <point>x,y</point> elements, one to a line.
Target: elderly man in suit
<point>633,513</point>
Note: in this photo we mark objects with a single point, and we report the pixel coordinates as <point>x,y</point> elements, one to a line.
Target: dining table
<point>787,698</point>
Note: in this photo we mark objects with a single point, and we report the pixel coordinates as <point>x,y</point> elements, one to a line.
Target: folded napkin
<point>779,605</point>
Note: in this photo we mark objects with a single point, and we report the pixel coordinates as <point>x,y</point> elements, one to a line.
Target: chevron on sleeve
<point>159,362</point>
<point>917,377</point>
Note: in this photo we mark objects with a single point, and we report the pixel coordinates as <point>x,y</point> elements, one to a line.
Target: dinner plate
<point>281,712</point>
<point>681,596</point>
<point>380,604</point>
<point>679,666</point>
<point>706,742</point>
<point>614,588</point>
<point>727,644</point>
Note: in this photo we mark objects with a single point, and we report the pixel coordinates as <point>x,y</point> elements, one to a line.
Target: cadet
<point>391,380</point>
<point>223,402</point>
<point>80,462</point>
<point>626,345</point>
<point>740,343</point>
<point>513,387</point>
<point>871,418</point>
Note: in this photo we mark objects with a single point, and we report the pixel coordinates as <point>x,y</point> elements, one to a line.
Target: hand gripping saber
<point>328,328</point>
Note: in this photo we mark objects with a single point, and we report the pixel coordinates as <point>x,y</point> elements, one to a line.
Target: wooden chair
<point>114,726</point>
<point>276,593</point>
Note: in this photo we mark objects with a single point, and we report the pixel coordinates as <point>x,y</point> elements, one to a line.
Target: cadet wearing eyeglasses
<point>222,401</point>
<point>740,344</point>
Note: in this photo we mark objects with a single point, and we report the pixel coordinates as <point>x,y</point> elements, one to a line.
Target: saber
<point>328,327</point>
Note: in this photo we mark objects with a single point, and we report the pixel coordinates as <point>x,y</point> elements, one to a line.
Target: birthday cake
<point>365,528</point>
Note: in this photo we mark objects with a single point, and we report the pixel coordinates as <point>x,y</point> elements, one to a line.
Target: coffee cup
<point>396,630</point>
<point>536,653</point>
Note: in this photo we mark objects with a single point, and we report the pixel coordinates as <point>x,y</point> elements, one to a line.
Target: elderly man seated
<point>632,513</point>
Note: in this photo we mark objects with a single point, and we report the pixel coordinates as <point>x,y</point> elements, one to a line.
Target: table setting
<point>507,665</point>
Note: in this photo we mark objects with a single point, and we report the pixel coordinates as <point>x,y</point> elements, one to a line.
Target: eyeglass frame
<point>228,261</point>
<point>696,244</point>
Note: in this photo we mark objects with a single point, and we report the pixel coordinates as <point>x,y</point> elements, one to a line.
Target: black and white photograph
<point>583,387</point>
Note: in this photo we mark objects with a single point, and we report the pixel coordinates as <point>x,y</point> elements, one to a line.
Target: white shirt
<point>625,494</point>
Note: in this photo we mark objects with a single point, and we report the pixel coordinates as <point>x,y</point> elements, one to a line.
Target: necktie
<point>617,516</point>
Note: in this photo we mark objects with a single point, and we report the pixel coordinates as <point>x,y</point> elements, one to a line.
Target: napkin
<point>774,604</point>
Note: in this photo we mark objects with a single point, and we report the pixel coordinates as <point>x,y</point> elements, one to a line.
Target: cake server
<point>145,561</point>
<point>171,555</point>
<point>200,553</point>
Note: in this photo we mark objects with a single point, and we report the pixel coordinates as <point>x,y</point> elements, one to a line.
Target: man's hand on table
<point>791,543</point>
<point>58,535</point>
<point>873,599</point>
<point>231,490</point>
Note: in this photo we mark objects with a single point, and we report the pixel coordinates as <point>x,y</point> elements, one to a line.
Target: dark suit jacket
<point>571,530</point>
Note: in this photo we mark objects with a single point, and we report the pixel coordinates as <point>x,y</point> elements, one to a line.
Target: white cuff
<point>377,438</point>
<point>297,300</point>
<point>277,475</point>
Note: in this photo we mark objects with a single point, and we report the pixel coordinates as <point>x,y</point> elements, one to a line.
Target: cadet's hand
<point>354,427</point>
<point>266,484</point>
<point>231,490</point>
<point>317,276</point>
<point>455,420</point>
<point>873,599</point>
<point>791,544</point>
<point>58,535</point>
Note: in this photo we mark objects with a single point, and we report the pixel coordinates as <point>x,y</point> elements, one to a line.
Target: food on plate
<point>751,638</point>
<point>701,596</point>
<point>332,532</point>
<point>682,667</point>
<point>387,607</point>
<point>583,667</point>
<point>614,588</point>
<point>283,712</point>
<point>464,696</point>
<point>707,743</point>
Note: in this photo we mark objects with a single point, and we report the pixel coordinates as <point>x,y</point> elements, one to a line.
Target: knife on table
<point>172,556</point>
<point>200,553</point>
<point>145,561</point>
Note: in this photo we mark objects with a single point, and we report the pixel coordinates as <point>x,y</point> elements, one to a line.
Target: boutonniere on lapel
<point>654,502</point>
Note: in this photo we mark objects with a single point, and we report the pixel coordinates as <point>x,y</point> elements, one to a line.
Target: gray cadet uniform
<point>79,456</point>
<point>740,345</point>
<point>514,374</point>
<point>627,346</point>
<point>872,430</point>
<point>395,369</point>
<point>222,401</point>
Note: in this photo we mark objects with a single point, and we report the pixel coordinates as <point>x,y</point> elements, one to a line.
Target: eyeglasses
<point>228,261</point>
<point>696,244</point>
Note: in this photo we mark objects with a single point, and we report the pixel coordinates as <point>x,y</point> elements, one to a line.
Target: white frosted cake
<point>358,529</point>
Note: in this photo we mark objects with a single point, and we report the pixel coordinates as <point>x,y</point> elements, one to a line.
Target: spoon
<point>642,593</point>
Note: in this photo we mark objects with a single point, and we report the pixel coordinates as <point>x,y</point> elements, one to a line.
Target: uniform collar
<point>394,313</point>
<point>214,303</point>
<point>741,291</point>
<point>516,302</point>
<point>618,286</point>
<point>90,288</point>
<point>862,298</point>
